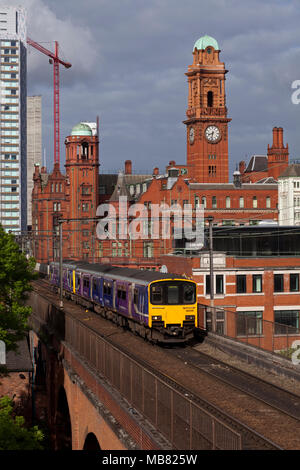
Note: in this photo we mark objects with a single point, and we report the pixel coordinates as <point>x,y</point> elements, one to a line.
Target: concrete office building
<point>13,148</point>
<point>34,145</point>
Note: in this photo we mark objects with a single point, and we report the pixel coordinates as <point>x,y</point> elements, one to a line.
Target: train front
<point>173,309</point>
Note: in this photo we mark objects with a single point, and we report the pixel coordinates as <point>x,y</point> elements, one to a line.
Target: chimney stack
<point>275,138</point>
<point>280,137</point>
<point>128,167</point>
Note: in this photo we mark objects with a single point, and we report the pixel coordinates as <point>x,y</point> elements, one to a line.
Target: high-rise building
<point>34,145</point>
<point>13,164</point>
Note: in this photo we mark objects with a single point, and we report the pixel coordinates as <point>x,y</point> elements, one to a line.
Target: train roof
<point>116,272</point>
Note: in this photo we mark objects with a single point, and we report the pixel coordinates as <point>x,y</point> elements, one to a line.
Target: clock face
<point>192,135</point>
<point>212,134</point>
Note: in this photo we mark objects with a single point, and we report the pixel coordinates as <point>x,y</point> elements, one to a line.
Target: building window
<point>100,250</point>
<point>212,170</point>
<point>241,284</point>
<point>227,202</point>
<point>249,323</point>
<point>114,249</point>
<point>278,283</point>
<point>148,249</point>
<point>214,202</point>
<point>207,285</point>
<point>219,284</point>
<point>257,283</point>
<point>210,99</point>
<point>241,202</point>
<point>85,207</point>
<point>85,190</point>
<point>254,202</point>
<point>197,202</point>
<point>203,201</point>
<point>268,202</point>
<point>228,222</point>
<point>294,282</point>
<point>286,322</point>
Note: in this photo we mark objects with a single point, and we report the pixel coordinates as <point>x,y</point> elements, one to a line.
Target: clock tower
<point>207,121</point>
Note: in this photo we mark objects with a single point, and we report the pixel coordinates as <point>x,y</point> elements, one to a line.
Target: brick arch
<point>63,426</point>
<point>91,442</point>
<point>86,420</point>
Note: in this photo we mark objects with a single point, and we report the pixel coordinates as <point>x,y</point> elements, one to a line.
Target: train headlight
<point>190,317</point>
<point>157,318</point>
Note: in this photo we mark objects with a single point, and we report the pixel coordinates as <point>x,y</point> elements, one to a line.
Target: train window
<point>94,285</point>
<point>173,294</point>
<point>107,288</point>
<point>86,282</point>
<point>121,293</point>
<point>156,294</point>
<point>77,281</point>
<point>189,292</point>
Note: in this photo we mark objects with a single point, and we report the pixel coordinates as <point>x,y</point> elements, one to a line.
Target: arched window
<point>203,201</point>
<point>210,99</point>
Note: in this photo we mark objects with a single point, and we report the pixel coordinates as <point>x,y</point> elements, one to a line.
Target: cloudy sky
<point>129,58</point>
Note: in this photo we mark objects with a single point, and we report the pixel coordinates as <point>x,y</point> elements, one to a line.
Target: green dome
<point>81,129</point>
<point>205,41</point>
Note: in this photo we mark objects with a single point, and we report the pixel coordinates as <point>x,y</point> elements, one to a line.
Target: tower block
<point>207,121</point>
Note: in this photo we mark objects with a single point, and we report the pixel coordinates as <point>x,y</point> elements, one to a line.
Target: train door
<point>78,282</point>
<point>129,300</point>
<point>86,286</point>
<point>107,293</point>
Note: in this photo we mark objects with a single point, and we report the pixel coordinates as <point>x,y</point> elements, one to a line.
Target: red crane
<point>56,61</point>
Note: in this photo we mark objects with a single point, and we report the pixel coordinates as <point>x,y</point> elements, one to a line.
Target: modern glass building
<point>13,92</point>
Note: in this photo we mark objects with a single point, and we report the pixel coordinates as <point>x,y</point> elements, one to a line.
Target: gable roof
<point>257,163</point>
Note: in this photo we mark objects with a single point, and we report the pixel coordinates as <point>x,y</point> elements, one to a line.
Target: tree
<point>16,274</point>
<point>13,433</point>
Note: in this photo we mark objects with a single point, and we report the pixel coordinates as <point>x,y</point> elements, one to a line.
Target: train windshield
<point>172,293</point>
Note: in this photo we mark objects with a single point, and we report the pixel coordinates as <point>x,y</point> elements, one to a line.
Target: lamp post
<point>211,269</point>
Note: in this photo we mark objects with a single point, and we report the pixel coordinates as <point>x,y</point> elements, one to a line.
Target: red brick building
<point>203,180</point>
<point>267,168</point>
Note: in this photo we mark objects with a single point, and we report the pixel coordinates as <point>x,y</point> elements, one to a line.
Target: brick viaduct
<point>84,411</point>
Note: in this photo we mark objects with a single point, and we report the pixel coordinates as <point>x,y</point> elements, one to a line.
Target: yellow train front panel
<point>172,302</point>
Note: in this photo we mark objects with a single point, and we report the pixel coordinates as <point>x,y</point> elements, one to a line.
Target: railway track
<point>269,394</point>
<point>251,440</point>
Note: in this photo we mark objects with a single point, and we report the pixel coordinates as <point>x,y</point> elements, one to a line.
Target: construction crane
<point>55,60</point>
